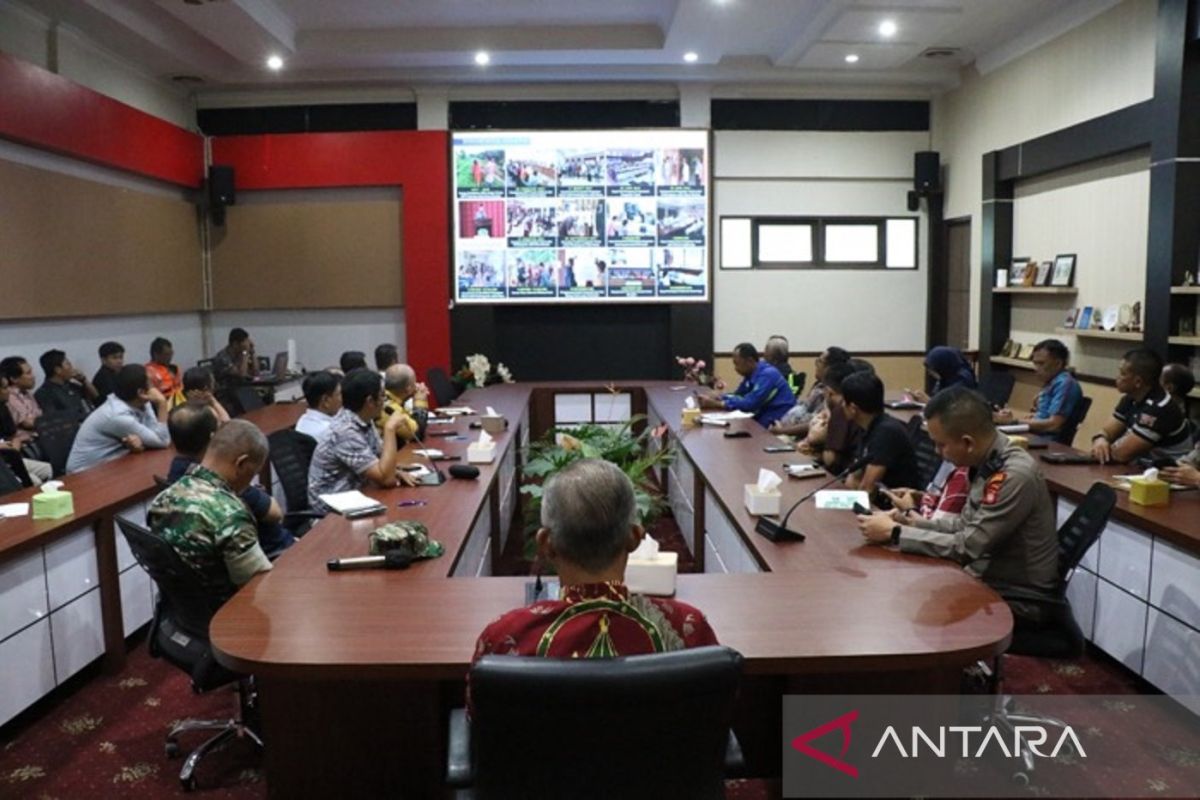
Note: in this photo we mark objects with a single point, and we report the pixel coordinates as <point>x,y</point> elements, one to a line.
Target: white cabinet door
<point>1173,659</point>
<point>27,667</point>
<point>71,567</point>
<point>1175,582</point>
<point>136,514</point>
<point>136,606</point>
<point>22,593</point>
<point>723,534</point>
<point>1081,591</point>
<point>78,632</point>
<point>1125,558</point>
<point>1120,625</point>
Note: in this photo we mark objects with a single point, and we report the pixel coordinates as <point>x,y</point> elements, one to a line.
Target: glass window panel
<point>901,243</point>
<point>784,243</point>
<point>735,244</point>
<point>851,244</point>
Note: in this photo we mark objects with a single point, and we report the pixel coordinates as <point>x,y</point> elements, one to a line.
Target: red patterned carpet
<point>102,736</point>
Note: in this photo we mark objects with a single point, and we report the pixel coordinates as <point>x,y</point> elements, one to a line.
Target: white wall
<point>1100,212</point>
<point>321,335</point>
<point>1102,66</point>
<point>818,173</point>
<point>27,35</point>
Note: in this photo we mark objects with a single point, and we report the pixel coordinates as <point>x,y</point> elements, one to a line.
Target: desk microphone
<point>778,531</point>
<point>434,478</point>
<point>392,560</point>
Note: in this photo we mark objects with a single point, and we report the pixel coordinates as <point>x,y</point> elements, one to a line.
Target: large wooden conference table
<point>358,669</point>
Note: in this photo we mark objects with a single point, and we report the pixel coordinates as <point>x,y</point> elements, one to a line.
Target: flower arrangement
<point>478,371</point>
<point>694,372</point>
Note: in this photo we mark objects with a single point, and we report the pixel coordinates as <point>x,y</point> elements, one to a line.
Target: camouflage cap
<point>407,537</point>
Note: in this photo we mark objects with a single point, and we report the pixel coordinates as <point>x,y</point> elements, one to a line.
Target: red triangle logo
<point>842,723</point>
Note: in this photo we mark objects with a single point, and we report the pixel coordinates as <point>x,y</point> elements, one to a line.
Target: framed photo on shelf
<point>1085,319</point>
<point>1064,270</point>
<point>1043,274</point>
<point>1016,273</point>
<point>1069,322</point>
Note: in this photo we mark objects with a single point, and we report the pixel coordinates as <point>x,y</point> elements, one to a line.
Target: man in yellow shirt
<point>400,385</point>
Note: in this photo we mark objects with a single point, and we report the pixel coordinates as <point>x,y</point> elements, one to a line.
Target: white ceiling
<point>739,43</point>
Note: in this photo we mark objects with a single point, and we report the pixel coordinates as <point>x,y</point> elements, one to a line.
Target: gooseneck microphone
<point>778,531</point>
<point>434,478</point>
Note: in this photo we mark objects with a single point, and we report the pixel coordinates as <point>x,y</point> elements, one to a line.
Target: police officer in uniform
<point>1006,534</point>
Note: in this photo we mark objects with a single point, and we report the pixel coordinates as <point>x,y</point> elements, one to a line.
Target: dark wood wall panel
<point>306,254</point>
<point>74,247</point>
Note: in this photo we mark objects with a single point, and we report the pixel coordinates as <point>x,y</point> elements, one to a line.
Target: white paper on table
<point>842,499</point>
<point>1014,428</point>
<point>725,416</point>
<point>429,452</point>
<point>343,502</point>
<point>768,481</point>
<point>14,510</point>
<point>454,411</point>
<point>440,421</point>
<point>802,470</point>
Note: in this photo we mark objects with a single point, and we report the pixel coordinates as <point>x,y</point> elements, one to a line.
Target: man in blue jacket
<point>763,391</point>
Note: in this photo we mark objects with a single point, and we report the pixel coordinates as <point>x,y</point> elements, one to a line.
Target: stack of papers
<point>14,510</point>
<point>345,502</point>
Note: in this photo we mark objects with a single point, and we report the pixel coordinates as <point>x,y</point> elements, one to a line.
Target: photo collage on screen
<point>559,218</point>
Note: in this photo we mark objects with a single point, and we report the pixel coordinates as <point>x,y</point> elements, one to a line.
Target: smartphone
<point>1165,463</point>
<point>737,434</point>
<point>881,500</point>
<point>858,509</point>
<point>778,448</point>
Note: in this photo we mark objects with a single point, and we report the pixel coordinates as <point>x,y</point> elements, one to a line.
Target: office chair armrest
<point>459,773</point>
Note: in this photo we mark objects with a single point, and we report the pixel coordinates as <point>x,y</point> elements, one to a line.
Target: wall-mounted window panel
<point>819,243</point>
<point>784,243</point>
<point>737,251</point>
<point>901,236</point>
<point>851,244</point>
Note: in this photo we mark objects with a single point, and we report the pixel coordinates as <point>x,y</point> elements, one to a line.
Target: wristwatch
<point>895,534</point>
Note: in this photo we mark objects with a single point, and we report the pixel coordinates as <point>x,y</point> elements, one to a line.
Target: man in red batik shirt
<point>589,527</point>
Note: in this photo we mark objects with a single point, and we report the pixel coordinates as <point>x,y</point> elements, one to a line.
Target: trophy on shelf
<point>1187,326</point>
<point>1124,317</point>
<point>1007,350</point>
<point>1135,322</point>
<point>1189,279</point>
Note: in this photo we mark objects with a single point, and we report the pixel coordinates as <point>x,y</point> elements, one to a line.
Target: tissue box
<point>53,505</point>
<point>762,503</point>
<point>1146,492</point>
<point>481,453</point>
<point>495,424</point>
<point>655,575</point>
<point>691,417</point>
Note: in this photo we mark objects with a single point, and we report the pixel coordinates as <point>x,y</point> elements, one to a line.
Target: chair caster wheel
<point>1020,779</point>
<point>173,750</point>
<point>188,784</point>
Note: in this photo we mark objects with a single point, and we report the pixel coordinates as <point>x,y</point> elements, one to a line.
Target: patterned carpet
<point>102,736</point>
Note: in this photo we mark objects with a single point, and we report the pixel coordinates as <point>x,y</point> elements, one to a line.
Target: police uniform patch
<point>991,490</point>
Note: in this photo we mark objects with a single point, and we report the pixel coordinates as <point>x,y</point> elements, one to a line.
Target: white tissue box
<point>654,575</point>
<point>481,453</point>
<point>492,424</point>
<point>762,503</point>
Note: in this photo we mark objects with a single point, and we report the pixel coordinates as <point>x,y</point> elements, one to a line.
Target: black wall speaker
<point>927,167</point>
<point>220,186</point>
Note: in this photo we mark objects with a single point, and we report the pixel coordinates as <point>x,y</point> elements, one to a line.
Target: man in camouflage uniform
<point>1006,534</point>
<point>204,520</point>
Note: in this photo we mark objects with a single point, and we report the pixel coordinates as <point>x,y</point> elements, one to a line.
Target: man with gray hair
<point>204,520</point>
<point>776,353</point>
<point>400,385</point>
<point>589,527</point>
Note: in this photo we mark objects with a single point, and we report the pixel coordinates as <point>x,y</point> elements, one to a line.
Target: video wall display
<point>581,216</point>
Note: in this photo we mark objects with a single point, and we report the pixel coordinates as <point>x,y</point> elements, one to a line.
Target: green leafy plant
<point>618,444</point>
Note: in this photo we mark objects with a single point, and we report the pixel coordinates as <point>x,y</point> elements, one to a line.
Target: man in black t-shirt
<point>1146,423</point>
<point>891,459</point>
<point>112,358</point>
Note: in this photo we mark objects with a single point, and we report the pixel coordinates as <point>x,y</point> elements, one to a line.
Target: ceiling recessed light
<point>275,63</point>
<point>691,56</point>
<point>851,58</point>
<point>887,28</point>
<point>482,58</point>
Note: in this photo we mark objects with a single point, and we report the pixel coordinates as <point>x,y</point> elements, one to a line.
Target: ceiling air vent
<point>187,80</point>
<point>941,53</point>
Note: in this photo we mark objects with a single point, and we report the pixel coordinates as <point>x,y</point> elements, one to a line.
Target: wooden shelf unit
<point>1120,336</point>
<point>1051,290</point>
<point>1018,363</point>
<point>1187,341</point>
<point>1185,290</point>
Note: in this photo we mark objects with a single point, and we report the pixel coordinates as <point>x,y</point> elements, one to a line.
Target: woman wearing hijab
<point>949,368</point>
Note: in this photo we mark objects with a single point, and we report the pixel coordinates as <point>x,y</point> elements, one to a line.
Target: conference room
<point>788,382</point>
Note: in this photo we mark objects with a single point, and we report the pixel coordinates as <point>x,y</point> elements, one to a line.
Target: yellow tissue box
<point>53,505</point>
<point>691,417</point>
<point>1149,493</point>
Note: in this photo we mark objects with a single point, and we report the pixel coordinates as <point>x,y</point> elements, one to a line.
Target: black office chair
<point>800,380</point>
<point>1055,633</point>
<point>55,436</point>
<point>1066,434</point>
<point>290,453</point>
<point>630,727</point>
<point>928,460</point>
<point>997,387</point>
<point>443,389</point>
<point>248,399</point>
<point>179,635</point>
<point>9,482</point>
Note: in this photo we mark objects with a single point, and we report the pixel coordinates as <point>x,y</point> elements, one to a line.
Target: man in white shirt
<point>132,419</point>
<point>323,393</point>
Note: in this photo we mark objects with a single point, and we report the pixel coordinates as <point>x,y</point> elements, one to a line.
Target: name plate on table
<point>842,499</point>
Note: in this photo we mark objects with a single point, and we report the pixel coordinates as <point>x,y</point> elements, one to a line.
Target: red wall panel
<point>47,111</point>
<point>417,161</point>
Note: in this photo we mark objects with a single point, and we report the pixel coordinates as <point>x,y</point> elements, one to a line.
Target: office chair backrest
<point>55,436</point>
<point>800,379</point>
<point>248,399</point>
<point>643,726</point>
<point>928,460</point>
<point>1066,434</point>
<point>9,482</point>
<point>997,387</point>
<point>1083,528</point>
<point>291,453</point>
<point>441,386</point>
<point>179,633</point>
